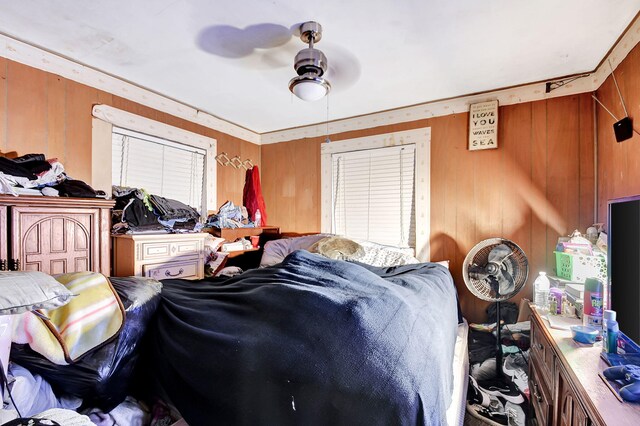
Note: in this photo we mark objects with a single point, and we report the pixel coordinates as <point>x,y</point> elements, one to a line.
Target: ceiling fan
<point>269,47</point>
<point>310,65</point>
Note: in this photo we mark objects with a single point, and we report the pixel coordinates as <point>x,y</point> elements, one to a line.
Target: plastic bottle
<point>608,320</point>
<point>553,304</point>
<point>258,219</point>
<point>592,302</point>
<point>541,291</point>
<point>557,295</point>
<point>612,337</point>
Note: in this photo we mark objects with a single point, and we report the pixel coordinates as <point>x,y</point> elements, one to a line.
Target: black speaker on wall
<point>623,129</point>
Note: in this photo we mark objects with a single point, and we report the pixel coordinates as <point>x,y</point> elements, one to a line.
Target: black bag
<point>75,188</point>
<point>103,377</point>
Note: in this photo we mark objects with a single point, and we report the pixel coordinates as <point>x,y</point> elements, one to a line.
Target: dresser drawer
<point>542,353</point>
<point>540,396</point>
<point>163,271</point>
<point>158,250</point>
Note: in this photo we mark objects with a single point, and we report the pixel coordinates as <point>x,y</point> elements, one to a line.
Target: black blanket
<point>309,341</point>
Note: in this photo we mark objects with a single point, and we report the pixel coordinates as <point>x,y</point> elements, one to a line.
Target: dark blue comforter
<point>310,341</point>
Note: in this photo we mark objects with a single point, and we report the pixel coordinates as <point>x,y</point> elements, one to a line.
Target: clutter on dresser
<point>138,212</point>
<point>33,174</point>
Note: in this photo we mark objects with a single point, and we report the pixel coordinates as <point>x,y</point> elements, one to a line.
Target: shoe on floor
<point>487,415</point>
<point>475,395</point>
<point>516,361</point>
<point>516,373</point>
<point>506,390</point>
<point>515,414</point>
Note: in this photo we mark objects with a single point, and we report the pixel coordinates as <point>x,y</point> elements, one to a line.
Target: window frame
<point>421,138</point>
<point>106,117</point>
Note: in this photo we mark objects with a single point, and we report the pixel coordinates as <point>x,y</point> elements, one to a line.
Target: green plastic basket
<point>579,267</point>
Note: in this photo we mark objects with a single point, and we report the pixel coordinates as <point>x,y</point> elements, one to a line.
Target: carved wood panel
<point>55,241</point>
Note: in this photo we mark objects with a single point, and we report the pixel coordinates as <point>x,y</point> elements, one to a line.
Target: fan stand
<point>499,373</point>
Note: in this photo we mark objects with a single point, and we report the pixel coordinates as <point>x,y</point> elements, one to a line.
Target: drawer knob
<point>539,346</point>
<point>169,274</point>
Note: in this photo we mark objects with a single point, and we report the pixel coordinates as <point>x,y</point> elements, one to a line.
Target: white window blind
<point>161,167</point>
<point>373,195</point>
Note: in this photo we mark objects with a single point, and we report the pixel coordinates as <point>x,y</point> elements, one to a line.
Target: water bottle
<point>541,291</point>
<point>258,219</point>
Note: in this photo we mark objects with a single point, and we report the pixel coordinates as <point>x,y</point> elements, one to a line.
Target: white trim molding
<point>101,145</point>
<point>422,140</point>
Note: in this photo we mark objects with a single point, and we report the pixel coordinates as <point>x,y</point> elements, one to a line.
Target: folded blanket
<point>65,334</point>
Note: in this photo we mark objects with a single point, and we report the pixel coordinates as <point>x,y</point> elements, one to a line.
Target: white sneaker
<point>515,414</point>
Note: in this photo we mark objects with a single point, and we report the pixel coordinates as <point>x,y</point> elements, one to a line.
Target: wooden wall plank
<point>26,109</point>
<point>307,182</point>
<point>56,117</point>
<point>516,146</point>
<point>586,213</point>
<point>3,104</point>
<point>539,256</point>
<point>79,103</point>
<point>562,165</point>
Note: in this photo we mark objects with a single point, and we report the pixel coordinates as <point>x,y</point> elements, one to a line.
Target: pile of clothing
<point>230,216</point>
<point>32,174</point>
<point>137,211</point>
<point>493,398</point>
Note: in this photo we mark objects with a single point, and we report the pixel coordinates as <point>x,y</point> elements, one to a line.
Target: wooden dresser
<point>54,235</point>
<point>564,385</point>
<point>159,256</point>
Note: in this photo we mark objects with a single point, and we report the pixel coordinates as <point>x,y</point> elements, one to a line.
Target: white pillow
<point>380,255</point>
<point>22,291</point>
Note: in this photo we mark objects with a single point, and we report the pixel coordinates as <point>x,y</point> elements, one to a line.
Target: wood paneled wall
<point>537,185</point>
<point>618,163</point>
<point>44,113</point>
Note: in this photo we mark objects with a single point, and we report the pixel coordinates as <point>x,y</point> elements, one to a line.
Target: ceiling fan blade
<point>231,42</point>
<point>344,67</point>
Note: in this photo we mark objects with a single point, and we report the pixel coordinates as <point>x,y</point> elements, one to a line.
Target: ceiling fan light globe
<point>309,88</point>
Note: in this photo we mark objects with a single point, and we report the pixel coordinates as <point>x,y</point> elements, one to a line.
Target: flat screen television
<point>623,232</point>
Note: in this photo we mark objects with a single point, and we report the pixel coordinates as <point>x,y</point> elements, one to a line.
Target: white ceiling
<point>234,59</point>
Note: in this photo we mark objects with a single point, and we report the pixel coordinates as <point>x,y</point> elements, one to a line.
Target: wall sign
<point>483,125</point>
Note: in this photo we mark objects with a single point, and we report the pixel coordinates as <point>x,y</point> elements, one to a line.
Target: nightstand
<point>159,256</point>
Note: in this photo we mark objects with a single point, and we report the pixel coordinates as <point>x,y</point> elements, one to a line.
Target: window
<point>377,188</point>
<point>169,169</point>
<point>373,195</point>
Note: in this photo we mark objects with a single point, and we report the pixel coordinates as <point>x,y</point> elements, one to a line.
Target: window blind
<point>373,195</point>
<point>161,167</point>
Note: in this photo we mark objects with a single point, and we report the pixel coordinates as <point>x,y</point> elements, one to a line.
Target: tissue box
<point>579,267</point>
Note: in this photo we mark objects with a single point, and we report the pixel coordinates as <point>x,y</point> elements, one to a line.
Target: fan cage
<point>516,264</point>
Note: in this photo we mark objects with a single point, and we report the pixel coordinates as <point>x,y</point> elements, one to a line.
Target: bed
<point>312,340</point>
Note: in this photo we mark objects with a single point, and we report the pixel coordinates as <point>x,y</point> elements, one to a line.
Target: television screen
<point>624,263</point>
